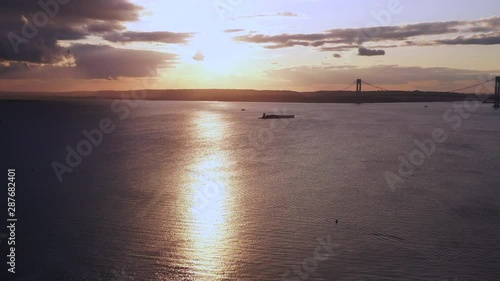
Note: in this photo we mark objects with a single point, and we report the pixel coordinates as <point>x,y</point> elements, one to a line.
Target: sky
<point>302,45</point>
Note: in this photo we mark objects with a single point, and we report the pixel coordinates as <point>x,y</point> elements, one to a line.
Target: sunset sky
<point>240,44</point>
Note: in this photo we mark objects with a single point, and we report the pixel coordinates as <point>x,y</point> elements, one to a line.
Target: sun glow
<point>214,53</point>
<point>221,55</point>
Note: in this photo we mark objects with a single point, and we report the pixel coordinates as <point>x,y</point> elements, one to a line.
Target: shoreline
<point>245,96</point>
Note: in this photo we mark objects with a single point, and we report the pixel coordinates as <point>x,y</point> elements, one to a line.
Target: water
<point>205,191</point>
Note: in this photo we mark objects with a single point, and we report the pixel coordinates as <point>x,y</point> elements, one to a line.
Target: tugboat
<point>264,116</point>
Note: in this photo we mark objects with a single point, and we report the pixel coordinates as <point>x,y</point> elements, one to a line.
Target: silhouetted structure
<point>359,84</point>
<point>497,92</point>
<point>274,116</point>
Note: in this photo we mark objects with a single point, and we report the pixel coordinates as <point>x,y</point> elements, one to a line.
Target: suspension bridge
<point>485,87</point>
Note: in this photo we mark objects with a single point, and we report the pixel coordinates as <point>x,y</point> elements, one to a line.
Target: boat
<point>274,116</point>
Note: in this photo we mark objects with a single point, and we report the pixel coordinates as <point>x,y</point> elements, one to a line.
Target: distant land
<point>249,96</point>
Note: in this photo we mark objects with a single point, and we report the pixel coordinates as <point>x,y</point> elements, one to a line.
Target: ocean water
<point>206,191</point>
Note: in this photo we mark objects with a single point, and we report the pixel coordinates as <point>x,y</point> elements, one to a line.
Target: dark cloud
<point>43,49</point>
<point>370,52</point>
<point>106,61</point>
<point>103,27</point>
<point>351,38</point>
<point>159,36</point>
<point>30,30</point>
<point>483,39</point>
<point>94,62</point>
<point>75,11</point>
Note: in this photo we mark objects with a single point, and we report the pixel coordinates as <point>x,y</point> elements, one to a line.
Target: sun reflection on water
<point>208,197</point>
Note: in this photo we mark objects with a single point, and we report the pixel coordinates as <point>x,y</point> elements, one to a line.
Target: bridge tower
<point>497,92</point>
<point>359,84</point>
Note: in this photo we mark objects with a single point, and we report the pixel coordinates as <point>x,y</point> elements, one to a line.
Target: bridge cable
<point>473,86</point>
<point>349,86</point>
<point>375,86</point>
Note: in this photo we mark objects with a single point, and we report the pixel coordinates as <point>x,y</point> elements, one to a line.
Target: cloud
<point>158,36</point>
<point>340,48</point>
<point>282,14</point>
<point>93,62</point>
<point>23,41</point>
<point>233,30</point>
<point>106,61</point>
<point>102,27</point>
<point>352,38</point>
<point>483,39</point>
<point>199,56</point>
<point>287,14</point>
<point>73,21</point>
<point>369,52</point>
<point>444,78</point>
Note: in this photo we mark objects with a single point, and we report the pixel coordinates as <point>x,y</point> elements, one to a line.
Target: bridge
<point>477,88</point>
